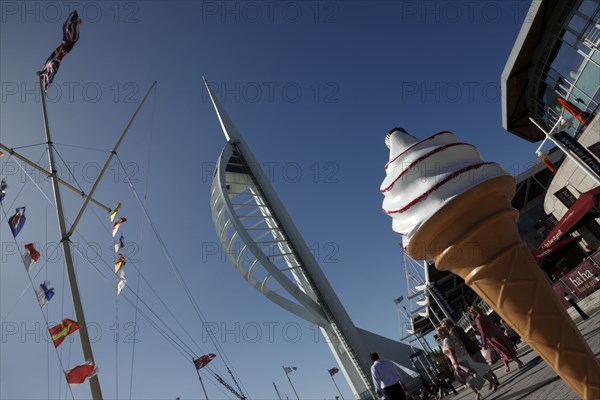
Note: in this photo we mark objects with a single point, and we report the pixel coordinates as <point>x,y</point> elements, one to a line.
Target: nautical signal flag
<point>333,371</point>
<point>117,224</point>
<point>287,370</point>
<point>550,165</point>
<point>44,293</point>
<point>203,361</point>
<point>17,221</point>
<point>3,187</point>
<point>114,212</point>
<point>573,110</point>
<point>120,263</point>
<point>81,373</point>
<point>119,244</point>
<point>60,332</point>
<point>31,256</point>
<point>70,37</point>
<point>122,282</point>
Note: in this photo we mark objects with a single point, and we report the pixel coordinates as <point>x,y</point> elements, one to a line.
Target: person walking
<point>492,336</point>
<point>472,348</point>
<point>387,379</point>
<point>466,369</point>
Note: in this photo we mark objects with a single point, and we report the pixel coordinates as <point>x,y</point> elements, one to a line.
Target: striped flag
<point>31,256</point>
<point>70,37</point>
<point>59,332</point>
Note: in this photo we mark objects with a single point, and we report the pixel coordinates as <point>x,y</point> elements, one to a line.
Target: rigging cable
<point>39,304</point>
<point>141,236</point>
<point>179,346</point>
<point>190,352</point>
<point>173,265</point>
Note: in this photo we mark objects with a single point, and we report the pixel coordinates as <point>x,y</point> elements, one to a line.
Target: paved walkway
<point>536,380</point>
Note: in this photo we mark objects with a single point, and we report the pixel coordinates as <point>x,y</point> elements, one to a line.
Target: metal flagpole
<point>336,386</point>
<point>276,390</point>
<point>112,153</point>
<point>201,382</point>
<point>45,172</point>
<point>83,332</point>
<point>290,381</point>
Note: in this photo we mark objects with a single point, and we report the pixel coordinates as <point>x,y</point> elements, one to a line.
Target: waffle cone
<point>476,237</point>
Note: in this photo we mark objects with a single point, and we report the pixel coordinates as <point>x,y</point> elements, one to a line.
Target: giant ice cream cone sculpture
<point>455,209</point>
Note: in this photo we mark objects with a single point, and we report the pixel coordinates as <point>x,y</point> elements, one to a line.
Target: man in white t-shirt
<point>387,379</point>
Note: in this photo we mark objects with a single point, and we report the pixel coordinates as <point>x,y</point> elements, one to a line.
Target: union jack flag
<point>70,37</point>
<point>203,361</point>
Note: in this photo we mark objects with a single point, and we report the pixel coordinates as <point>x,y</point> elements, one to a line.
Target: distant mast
<point>276,391</point>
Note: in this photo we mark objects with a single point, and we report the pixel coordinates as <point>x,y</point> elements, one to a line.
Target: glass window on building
<point>565,196</point>
<point>578,23</point>
<point>567,61</point>
<point>589,8</point>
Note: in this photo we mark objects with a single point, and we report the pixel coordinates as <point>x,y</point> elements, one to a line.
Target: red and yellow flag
<point>60,332</point>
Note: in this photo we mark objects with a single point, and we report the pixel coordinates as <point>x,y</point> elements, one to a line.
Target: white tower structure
<point>268,251</point>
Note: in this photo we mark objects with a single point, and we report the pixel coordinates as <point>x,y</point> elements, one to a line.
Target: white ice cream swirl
<point>423,175</point>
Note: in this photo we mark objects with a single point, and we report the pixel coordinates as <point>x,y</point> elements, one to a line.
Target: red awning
<point>539,255</point>
<point>569,221</point>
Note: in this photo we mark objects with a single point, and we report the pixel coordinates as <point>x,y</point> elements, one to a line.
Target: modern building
<point>268,251</point>
<point>551,83</point>
<point>551,89</point>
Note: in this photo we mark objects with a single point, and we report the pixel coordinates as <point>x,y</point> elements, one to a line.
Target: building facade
<point>551,88</point>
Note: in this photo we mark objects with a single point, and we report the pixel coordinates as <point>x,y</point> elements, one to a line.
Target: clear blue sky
<point>313,86</point>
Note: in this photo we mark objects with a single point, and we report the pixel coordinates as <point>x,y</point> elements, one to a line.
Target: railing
<point>465,321</point>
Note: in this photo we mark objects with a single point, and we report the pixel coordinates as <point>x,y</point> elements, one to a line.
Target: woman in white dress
<point>465,369</point>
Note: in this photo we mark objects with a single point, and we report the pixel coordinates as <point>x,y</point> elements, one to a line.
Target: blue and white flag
<point>17,221</point>
<point>119,244</point>
<point>44,293</point>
